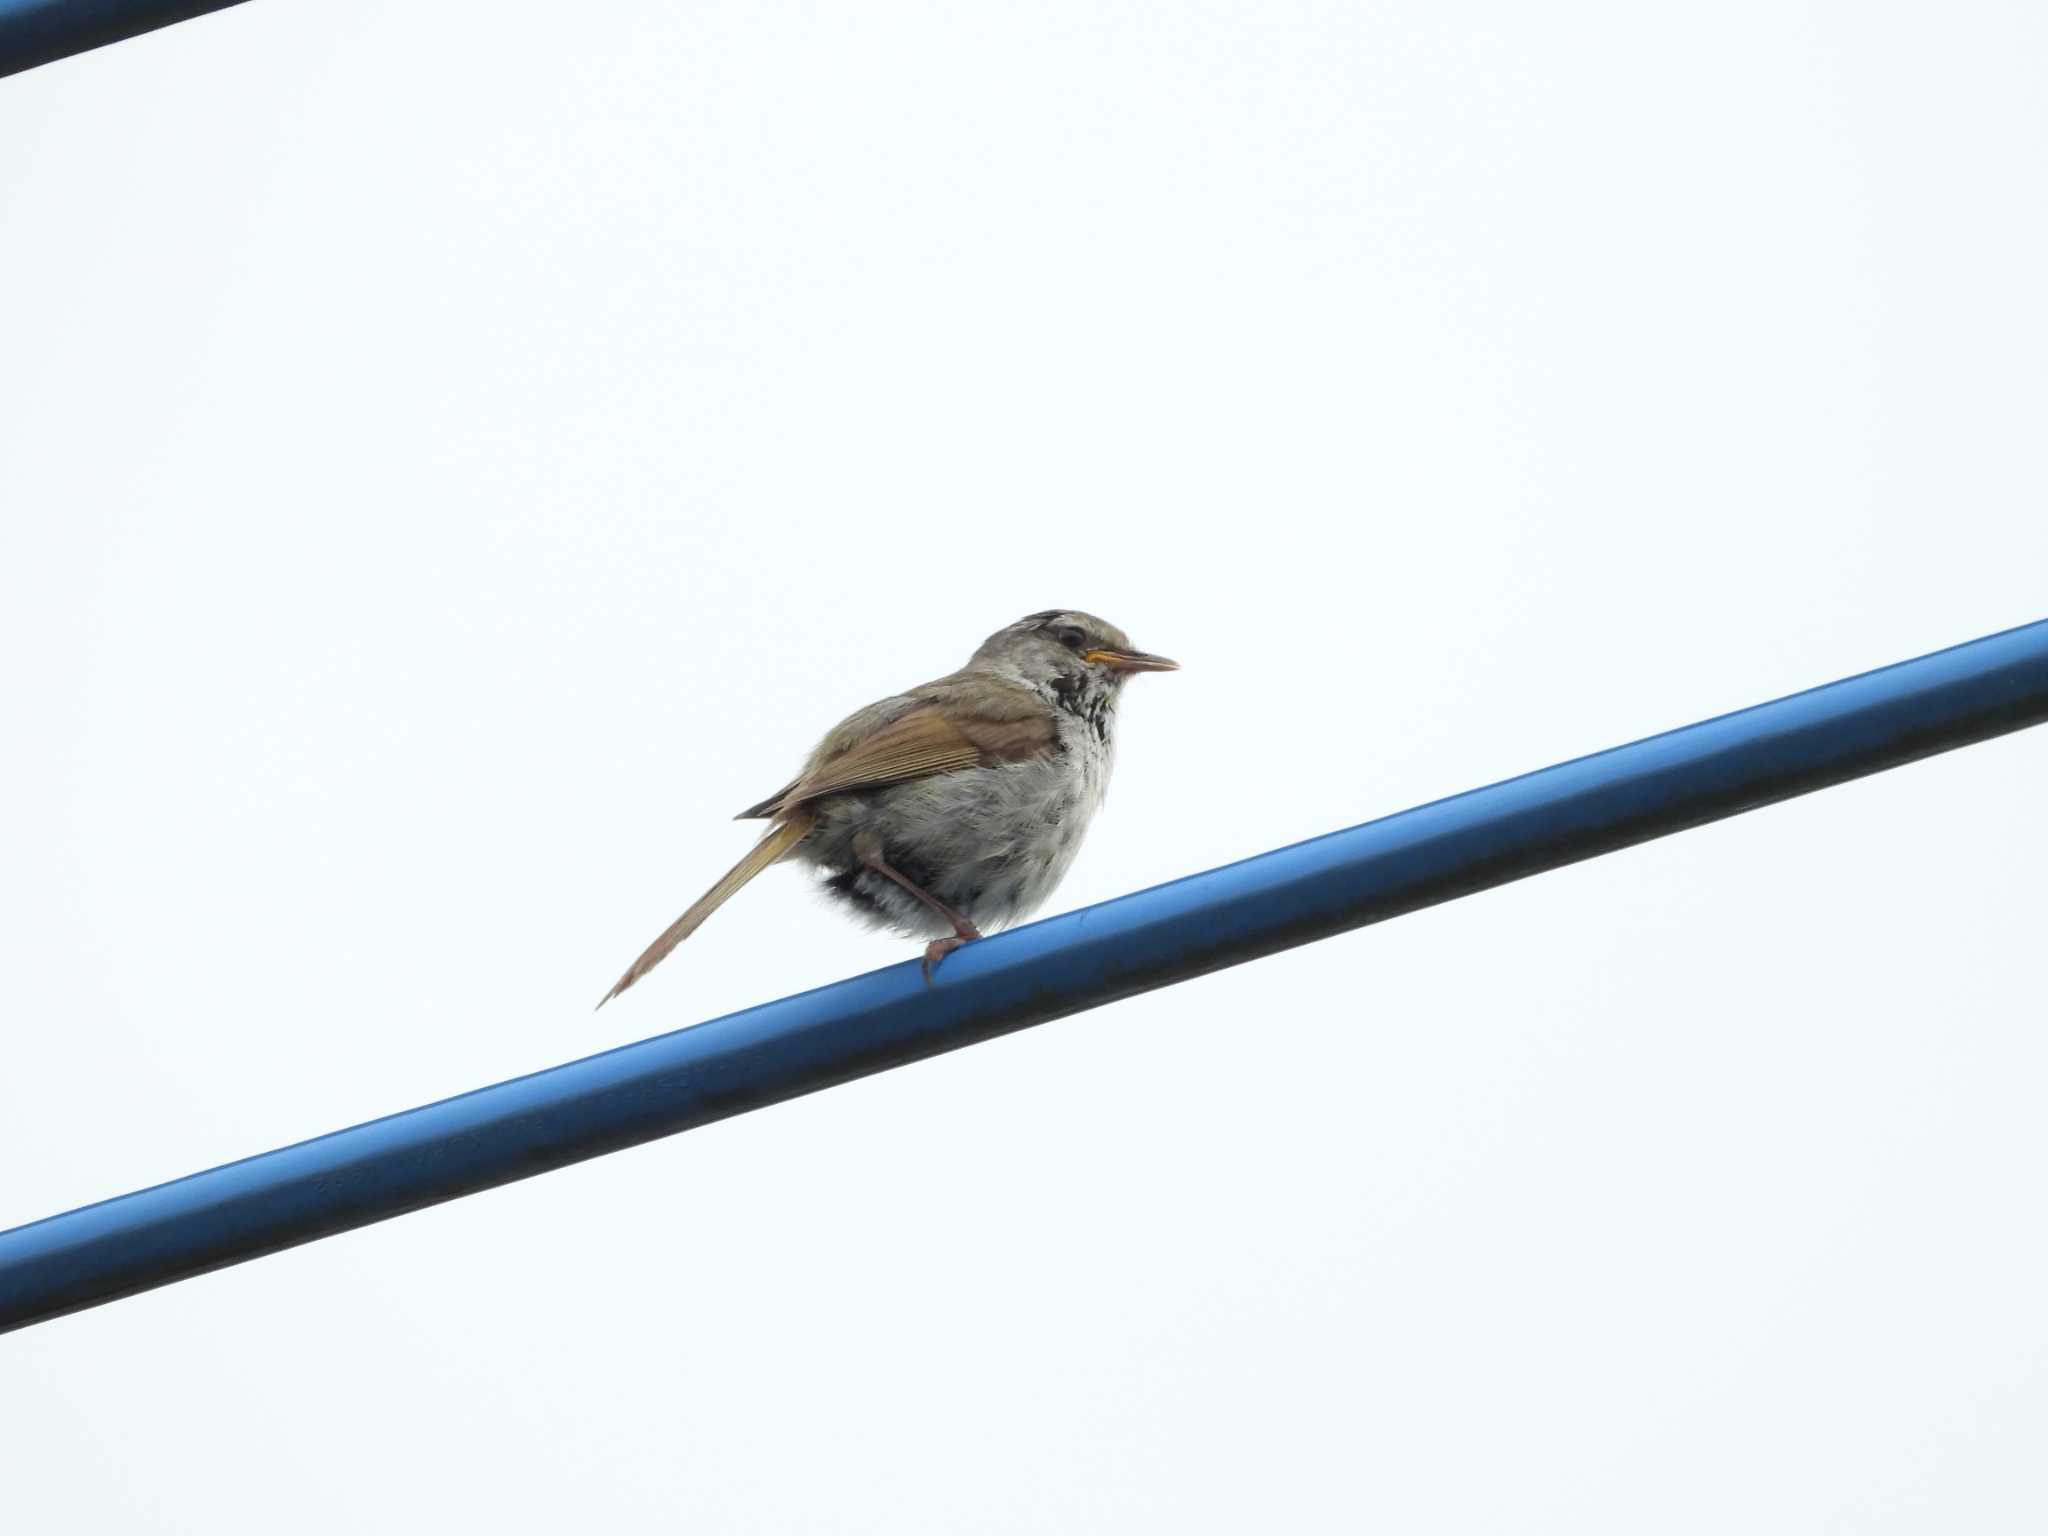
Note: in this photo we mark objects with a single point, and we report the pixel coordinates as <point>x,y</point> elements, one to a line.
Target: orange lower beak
<point>1132,661</point>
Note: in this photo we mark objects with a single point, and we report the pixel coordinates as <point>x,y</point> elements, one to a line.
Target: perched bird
<point>955,807</point>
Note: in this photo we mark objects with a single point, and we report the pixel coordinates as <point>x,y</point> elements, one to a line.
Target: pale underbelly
<point>990,843</point>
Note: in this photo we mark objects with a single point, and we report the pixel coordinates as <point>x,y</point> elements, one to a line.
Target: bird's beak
<point>1131,661</point>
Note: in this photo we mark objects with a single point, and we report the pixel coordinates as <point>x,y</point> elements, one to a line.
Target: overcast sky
<point>452,457</point>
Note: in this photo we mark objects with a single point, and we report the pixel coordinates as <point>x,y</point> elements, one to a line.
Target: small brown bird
<point>956,807</point>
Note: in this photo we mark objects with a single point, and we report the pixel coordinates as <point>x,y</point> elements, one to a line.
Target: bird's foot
<point>938,949</point>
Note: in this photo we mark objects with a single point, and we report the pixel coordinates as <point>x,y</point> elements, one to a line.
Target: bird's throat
<point>1087,699</point>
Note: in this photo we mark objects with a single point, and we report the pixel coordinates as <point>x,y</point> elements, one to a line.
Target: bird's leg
<point>868,851</point>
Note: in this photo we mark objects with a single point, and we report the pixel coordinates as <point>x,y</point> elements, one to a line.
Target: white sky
<point>452,457</point>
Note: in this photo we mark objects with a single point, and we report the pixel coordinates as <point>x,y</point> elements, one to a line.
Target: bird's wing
<point>957,727</point>
<point>957,722</point>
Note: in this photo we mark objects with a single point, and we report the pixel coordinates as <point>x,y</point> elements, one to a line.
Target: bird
<point>953,808</point>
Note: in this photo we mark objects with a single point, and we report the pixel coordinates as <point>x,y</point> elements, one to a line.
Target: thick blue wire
<point>36,32</point>
<point>1081,960</point>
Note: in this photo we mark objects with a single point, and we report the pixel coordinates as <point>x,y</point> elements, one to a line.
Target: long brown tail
<point>781,837</point>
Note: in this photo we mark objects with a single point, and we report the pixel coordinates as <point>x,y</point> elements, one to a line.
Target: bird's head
<point>1064,650</point>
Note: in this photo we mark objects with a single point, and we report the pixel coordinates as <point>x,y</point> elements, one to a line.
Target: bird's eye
<point>1069,636</point>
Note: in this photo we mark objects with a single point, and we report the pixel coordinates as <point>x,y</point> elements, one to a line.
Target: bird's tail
<point>781,837</point>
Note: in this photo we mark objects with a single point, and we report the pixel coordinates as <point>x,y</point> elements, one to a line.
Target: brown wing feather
<point>921,742</point>
<point>1007,741</point>
<point>928,740</point>
<point>955,722</point>
<point>762,809</point>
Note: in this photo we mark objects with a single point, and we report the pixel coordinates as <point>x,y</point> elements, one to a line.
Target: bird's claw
<point>938,949</point>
